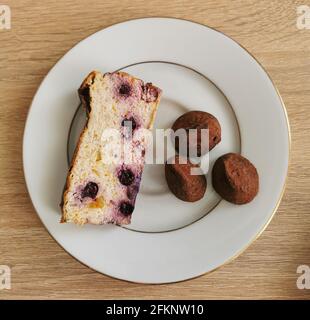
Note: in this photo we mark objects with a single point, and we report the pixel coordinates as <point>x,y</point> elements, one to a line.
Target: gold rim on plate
<point>285,182</point>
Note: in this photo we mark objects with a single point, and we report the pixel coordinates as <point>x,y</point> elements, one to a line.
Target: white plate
<point>197,68</point>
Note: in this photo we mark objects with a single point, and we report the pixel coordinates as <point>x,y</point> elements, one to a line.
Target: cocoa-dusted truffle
<point>198,120</point>
<point>182,183</point>
<point>235,178</point>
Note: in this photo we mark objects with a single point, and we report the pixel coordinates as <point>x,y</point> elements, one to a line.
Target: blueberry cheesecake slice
<point>106,169</point>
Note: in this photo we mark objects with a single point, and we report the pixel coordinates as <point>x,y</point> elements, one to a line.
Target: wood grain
<point>42,31</point>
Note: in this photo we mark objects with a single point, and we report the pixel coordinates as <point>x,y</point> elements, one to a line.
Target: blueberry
<point>125,90</point>
<point>150,93</point>
<point>133,123</point>
<point>126,177</point>
<point>90,190</point>
<point>126,208</point>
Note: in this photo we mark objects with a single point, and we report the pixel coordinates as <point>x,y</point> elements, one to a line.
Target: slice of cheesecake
<point>104,177</point>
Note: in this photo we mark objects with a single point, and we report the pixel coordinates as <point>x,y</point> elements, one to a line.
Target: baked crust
<point>85,103</point>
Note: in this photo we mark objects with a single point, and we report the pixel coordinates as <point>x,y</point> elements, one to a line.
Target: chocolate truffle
<point>198,120</point>
<point>235,178</point>
<point>182,183</point>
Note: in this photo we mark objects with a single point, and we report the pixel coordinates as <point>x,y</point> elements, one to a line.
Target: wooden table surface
<point>42,32</point>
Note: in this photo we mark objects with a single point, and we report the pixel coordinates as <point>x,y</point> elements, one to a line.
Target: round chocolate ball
<point>235,178</point>
<point>198,120</point>
<point>182,183</point>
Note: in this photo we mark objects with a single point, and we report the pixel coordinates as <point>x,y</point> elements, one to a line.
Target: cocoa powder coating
<point>235,178</point>
<point>182,183</point>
